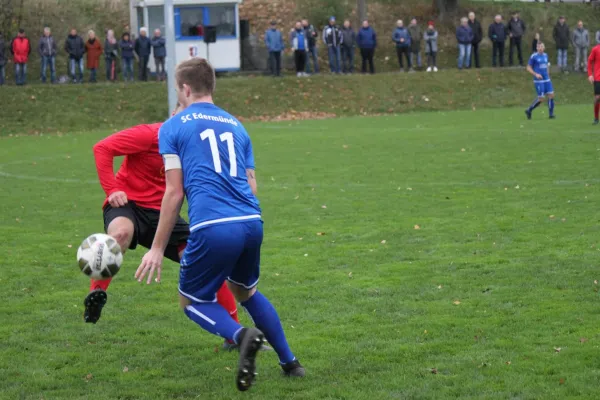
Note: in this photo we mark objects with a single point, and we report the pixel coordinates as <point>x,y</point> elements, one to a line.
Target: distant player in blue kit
<point>538,67</point>
<point>208,159</point>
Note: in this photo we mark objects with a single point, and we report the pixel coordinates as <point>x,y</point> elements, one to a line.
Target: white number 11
<point>214,149</point>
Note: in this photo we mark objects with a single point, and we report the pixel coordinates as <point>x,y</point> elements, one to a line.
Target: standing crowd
<point>410,42</point>
<point>87,53</point>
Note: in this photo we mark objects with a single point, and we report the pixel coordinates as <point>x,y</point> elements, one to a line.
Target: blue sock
<point>212,317</point>
<point>266,319</point>
<point>533,105</point>
<point>551,106</point>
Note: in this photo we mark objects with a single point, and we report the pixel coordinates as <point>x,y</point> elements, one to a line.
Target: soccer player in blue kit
<point>538,67</point>
<point>208,158</point>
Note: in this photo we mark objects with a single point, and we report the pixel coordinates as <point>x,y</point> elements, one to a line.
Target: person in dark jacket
<point>47,50</point>
<point>75,48</point>
<point>20,48</point>
<point>2,60</point>
<point>311,35</point>
<point>159,50</point>
<point>516,29</point>
<point>143,48</point>
<point>561,37</point>
<point>415,42</point>
<point>402,39</point>
<point>126,46</point>
<point>477,38</point>
<point>367,42</point>
<point>275,45</point>
<point>111,54</point>
<point>332,37</point>
<point>464,37</point>
<point>348,45</point>
<point>497,34</point>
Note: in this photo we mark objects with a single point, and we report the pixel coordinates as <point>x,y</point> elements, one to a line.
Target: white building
<point>191,16</point>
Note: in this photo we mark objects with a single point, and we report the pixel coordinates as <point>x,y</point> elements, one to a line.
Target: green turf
<point>473,304</point>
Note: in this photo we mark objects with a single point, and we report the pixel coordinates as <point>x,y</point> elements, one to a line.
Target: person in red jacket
<point>20,48</point>
<point>132,206</point>
<point>594,78</point>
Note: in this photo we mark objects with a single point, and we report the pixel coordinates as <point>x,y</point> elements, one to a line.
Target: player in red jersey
<point>132,206</point>
<point>594,78</point>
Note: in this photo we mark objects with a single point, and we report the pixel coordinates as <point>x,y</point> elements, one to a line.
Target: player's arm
<point>251,175</point>
<point>169,212</point>
<point>250,168</point>
<point>532,72</point>
<point>129,141</point>
<point>591,64</point>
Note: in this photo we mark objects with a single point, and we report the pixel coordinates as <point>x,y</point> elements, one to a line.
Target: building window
<point>192,22</point>
<point>223,17</point>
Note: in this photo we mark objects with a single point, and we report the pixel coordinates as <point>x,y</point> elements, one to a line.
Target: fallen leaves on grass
<point>583,340</point>
<point>433,371</point>
<point>125,369</point>
<point>557,349</point>
<point>561,381</point>
<point>439,286</point>
<point>323,206</point>
<point>552,217</point>
<point>89,377</point>
<point>383,242</point>
<point>463,149</point>
<point>290,116</point>
<point>350,275</point>
<point>306,255</point>
<point>595,282</point>
<point>417,227</point>
<point>517,187</point>
<point>508,363</point>
<point>456,302</point>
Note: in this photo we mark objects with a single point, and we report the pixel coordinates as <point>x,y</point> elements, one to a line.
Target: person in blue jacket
<point>126,45</point>
<point>366,39</point>
<point>402,39</point>
<point>464,37</point>
<point>275,45</point>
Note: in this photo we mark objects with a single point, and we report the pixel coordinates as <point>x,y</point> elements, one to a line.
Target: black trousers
<point>367,57</point>
<point>300,59</point>
<point>498,54</point>
<point>475,55</point>
<point>143,68</point>
<point>431,59</point>
<point>275,62</point>
<point>515,42</point>
<point>406,52</point>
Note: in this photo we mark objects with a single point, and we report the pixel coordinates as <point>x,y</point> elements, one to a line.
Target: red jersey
<point>142,174</point>
<point>594,63</point>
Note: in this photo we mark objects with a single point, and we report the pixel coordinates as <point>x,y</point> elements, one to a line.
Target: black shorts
<point>145,223</point>
<point>597,88</point>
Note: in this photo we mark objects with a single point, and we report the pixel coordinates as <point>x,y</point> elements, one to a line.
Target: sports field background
<point>419,256</point>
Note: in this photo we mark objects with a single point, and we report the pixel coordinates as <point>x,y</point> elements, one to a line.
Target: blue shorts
<point>213,254</point>
<point>543,88</point>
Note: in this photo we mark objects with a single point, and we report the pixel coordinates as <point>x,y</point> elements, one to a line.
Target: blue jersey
<point>215,152</point>
<point>539,63</point>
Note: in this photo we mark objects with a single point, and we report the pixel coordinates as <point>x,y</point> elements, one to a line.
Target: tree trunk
<point>361,8</point>
<point>444,7</point>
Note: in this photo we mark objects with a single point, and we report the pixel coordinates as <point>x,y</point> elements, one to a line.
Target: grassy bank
<point>53,109</point>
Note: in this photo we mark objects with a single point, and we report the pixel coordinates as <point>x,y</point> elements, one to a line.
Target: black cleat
<point>251,341</point>
<point>94,301</point>
<point>228,346</point>
<point>528,113</point>
<point>293,369</point>
<point>552,117</point>
<point>595,122</point>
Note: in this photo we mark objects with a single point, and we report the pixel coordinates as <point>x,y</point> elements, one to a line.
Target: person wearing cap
<point>561,37</point>
<point>477,38</point>
<point>275,45</point>
<point>415,42</point>
<point>430,37</point>
<point>332,37</point>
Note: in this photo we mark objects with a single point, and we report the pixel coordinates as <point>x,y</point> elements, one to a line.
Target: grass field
<point>422,256</point>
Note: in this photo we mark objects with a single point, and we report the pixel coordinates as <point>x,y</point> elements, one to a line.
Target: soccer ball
<point>99,256</point>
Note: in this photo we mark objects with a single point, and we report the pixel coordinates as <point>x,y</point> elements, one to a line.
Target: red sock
<point>226,299</point>
<point>103,284</point>
<point>596,109</point>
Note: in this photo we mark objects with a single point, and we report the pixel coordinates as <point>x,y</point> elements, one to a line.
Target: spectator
<point>126,46</point>
<point>367,42</point>
<point>20,48</point>
<point>111,53</point>
<point>402,39</point>
<point>431,47</point>
<point>561,38</point>
<point>348,45</point>
<point>143,48</point>
<point>536,40</point>
<point>477,38</point>
<point>311,34</point>
<point>581,42</point>
<point>516,30</point>
<point>159,50</point>
<point>274,43</point>
<point>75,48</point>
<point>2,60</point>
<point>464,37</point>
<point>47,50</point>
<point>94,50</point>
<point>415,43</point>
<point>332,37</point>
<point>497,34</point>
<point>299,43</point>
